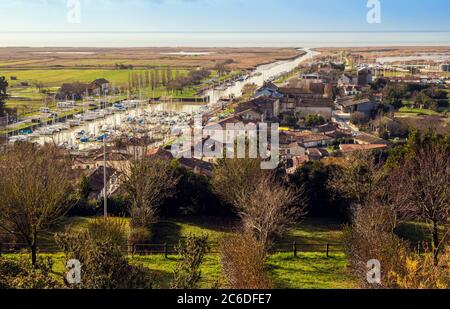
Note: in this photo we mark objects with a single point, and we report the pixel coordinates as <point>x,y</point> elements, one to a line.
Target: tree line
<point>171,79</point>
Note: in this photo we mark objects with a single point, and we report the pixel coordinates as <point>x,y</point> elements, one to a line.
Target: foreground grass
<point>310,270</point>
<point>307,270</point>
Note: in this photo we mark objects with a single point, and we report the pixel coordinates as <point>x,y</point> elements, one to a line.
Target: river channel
<point>261,74</point>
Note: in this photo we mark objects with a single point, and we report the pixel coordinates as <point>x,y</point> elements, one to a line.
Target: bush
<point>117,206</point>
<point>194,197</point>
<point>108,230</point>
<point>371,237</point>
<point>103,266</point>
<point>243,262</point>
<point>138,235</point>
<point>192,251</point>
<point>19,273</point>
<point>314,120</point>
<point>142,217</point>
<point>314,177</point>
<point>84,208</point>
<point>420,272</point>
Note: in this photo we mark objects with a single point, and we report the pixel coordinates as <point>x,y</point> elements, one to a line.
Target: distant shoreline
<point>311,39</point>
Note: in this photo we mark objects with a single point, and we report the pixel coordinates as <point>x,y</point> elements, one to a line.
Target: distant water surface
<point>222,39</point>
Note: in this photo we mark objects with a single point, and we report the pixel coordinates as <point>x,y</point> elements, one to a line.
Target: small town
<point>263,161</point>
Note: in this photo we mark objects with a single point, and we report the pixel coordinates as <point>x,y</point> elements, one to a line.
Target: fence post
<point>165,250</point>
<point>328,250</point>
<point>294,247</point>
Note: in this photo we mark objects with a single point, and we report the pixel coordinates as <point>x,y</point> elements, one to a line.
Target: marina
<point>137,118</point>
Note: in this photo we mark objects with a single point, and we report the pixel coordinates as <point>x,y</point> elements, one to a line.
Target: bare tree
<point>360,179</point>
<point>423,187</point>
<point>148,182</point>
<point>371,236</point>
<point>34,188</point>
<point>234,178</point>
<point>266,207</point>
<point>270,209</point>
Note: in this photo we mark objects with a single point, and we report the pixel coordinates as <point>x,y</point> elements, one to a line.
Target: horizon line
<point>219,32</point>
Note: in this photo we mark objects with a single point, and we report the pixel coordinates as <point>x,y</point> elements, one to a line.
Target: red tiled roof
<point>347,148</point>
<point>300,160</point>
<point>160,153</point>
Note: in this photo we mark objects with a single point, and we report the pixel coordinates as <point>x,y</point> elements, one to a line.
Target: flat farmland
<point>26,68</point>
<point>56,77</point>
<point>241,58</point>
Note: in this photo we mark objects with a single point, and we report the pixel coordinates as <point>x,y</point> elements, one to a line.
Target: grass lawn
<point>407,110</point>
<point>55,77</point>
<point>310,270</point>
<point>417,232</point>
<point>307,270</point>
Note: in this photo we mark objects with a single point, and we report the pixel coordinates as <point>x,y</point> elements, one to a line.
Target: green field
<point>56,77</point>
<point>307,270</point>
<point>27,99</point>
<point>310,269</point>
<point>407,110</point>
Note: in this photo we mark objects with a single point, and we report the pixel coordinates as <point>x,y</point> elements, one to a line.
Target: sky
<point>222,15</point>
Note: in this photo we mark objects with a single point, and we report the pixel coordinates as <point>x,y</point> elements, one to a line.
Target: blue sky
<point>224,15</point>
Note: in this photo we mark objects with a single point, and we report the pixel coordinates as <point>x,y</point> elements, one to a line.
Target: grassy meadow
<point>310,269</point>
<point>307,270</point>
<point>56,77</point>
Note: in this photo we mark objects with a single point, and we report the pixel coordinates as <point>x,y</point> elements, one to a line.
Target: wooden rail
<point>170,249</point>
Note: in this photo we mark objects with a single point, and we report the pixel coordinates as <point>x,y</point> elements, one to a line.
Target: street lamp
<point>105,189</point>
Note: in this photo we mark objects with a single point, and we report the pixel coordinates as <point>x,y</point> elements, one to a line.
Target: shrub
<point>243,262</point>
<point>108,230</point>
<point>117,206</point>
<point>19,273</point>
<point>314,120</point>
<point>314,177</point>
<point>420,272</point>
<point>371,237</point>
<point>139,236</point>
<point>194,197</point>
<point>103,264</point>
<point>142,217</point>
<point>192,251</point>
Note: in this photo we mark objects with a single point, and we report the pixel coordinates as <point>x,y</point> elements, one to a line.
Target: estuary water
<point>224,39</point>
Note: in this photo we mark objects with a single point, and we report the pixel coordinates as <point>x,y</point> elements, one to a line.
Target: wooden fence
<point>167,249</point>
